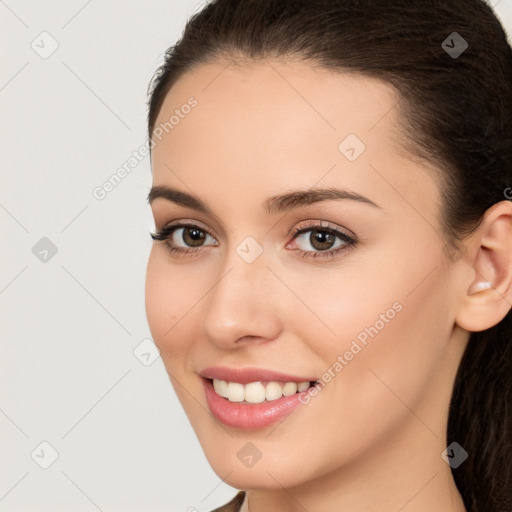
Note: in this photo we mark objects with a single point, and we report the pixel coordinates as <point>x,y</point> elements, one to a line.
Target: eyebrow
<point>272,205</point>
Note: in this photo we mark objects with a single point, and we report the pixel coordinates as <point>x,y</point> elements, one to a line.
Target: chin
<point>266,473</point>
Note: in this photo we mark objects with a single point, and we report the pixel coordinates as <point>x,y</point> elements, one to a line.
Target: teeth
<point>303,386</point>
<point>290,388</point>
<point>235,391</point>
<point>274,390</point>
<point>221,387</point>
<point>256,392</point>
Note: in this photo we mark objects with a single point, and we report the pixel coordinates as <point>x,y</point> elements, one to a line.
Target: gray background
<point>79,372</point>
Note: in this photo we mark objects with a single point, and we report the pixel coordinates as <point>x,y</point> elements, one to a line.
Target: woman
<point>330,284</point>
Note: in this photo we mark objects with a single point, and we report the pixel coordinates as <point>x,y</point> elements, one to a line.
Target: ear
<point>488,287</point>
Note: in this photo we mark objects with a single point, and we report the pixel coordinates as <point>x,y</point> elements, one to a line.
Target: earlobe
<point>488,296</point>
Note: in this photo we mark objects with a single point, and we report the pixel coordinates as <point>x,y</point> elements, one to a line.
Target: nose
<point>243,304</point>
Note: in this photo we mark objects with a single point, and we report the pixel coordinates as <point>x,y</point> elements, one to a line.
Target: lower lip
<point>250,416</point>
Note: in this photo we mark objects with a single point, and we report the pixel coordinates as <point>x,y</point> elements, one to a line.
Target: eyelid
<point>187,223</point>
<point>309,224</point>
<point>220,229</point>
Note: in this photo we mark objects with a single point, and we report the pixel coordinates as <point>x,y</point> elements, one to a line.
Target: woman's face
<point>373,321</point>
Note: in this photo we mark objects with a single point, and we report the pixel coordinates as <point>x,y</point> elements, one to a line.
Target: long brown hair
<point>456,104</point>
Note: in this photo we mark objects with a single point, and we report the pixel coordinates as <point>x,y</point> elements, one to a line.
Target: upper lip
<point>246,375</point>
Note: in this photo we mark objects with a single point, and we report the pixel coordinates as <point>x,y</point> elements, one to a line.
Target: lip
<point>247,416</point>
<point>246,375</point>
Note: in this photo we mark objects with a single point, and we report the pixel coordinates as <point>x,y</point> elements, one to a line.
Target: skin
<point>372,439</point>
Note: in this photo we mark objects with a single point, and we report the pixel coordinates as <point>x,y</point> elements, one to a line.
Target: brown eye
<point>192,236</point>
<point>183,238</point>
<point>321,239</point>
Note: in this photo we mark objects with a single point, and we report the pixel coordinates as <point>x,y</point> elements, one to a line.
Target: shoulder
<point>234,505</point>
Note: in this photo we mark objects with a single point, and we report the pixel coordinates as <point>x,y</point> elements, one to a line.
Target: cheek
<point>343,304</point>
<point>156,299</point>
<point>168,299</point>
<point>383,323</point>
<point>376,290</point>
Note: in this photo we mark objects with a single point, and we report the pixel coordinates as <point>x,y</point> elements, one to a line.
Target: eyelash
<point>165,233</point>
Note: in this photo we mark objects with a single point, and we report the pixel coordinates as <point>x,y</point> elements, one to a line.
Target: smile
<point>257,392</point>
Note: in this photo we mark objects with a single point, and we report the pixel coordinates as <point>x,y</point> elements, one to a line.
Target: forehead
<point>270,91</point>
<point>285,122</point>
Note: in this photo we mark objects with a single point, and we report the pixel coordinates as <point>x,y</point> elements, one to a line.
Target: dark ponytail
<point>457,112</point>
<point>480,419</point>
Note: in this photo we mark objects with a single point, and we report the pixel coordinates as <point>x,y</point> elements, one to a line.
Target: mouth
<point>258,391</point>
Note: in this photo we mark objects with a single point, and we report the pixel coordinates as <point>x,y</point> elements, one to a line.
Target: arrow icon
<point>249,455</point>
<point>44,250</point>
<point>454,455</point>
<point>44,44</point>
<point>454,45</point>
<point>44,455</point>
<point>146,352</point>
<point>249,253</point>
<point>351,147</point>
